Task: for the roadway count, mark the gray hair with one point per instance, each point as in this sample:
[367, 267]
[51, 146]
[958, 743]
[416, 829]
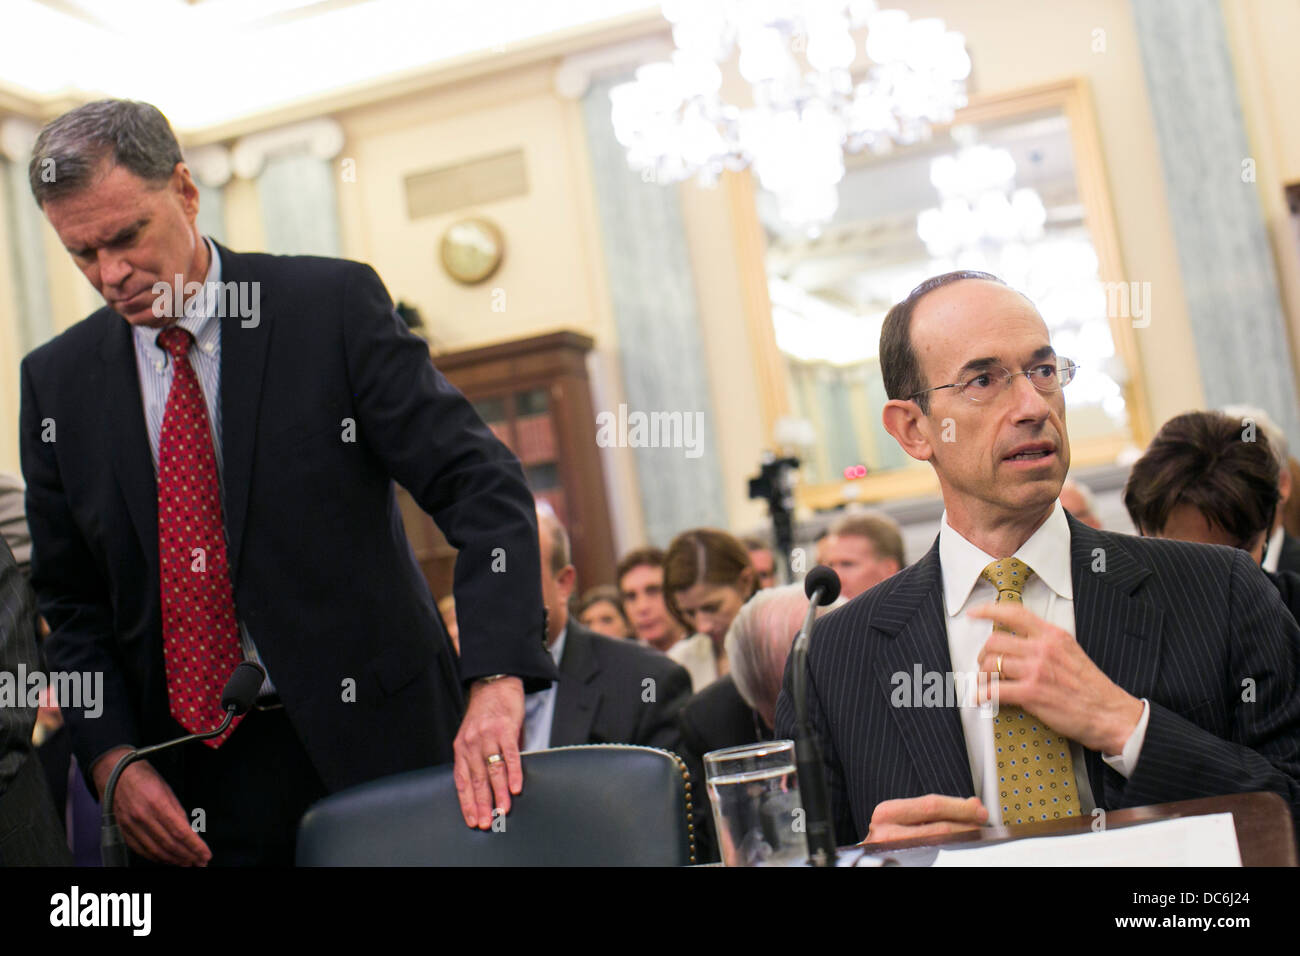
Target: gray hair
[70, 150]
[759, 641]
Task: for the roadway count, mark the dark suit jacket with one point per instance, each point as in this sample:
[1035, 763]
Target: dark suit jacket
[1290, 558]
[30, 831]
[323, 576]
[600, 695]
[712, 719]
[1184, 625]
[1288, 587]
[718, 717]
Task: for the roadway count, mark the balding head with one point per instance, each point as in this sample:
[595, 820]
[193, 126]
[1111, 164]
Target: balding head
[559, 577]
[758, 643]
[998, 445]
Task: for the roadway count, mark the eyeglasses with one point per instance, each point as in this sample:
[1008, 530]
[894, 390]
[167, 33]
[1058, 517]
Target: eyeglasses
[986, 385]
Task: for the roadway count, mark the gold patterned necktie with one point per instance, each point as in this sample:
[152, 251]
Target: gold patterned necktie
[1035, 769]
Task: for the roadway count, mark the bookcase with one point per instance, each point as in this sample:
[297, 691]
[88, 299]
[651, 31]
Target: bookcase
[535, 395]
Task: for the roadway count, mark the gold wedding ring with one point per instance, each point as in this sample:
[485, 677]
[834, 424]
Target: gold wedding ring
[999, 667]
[494, 759]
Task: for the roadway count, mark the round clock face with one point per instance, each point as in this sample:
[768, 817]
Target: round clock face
[472, 250]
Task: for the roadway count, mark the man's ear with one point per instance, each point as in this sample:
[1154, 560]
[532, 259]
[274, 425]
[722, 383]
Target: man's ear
[905, 422]
[566, 580]
[183, 183]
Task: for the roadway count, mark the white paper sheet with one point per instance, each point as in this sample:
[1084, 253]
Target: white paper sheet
[1209, 840]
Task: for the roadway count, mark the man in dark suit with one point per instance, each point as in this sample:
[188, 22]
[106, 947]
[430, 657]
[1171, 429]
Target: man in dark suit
[30, 834]
[210, 478]
[1128, 671]
[610, 691]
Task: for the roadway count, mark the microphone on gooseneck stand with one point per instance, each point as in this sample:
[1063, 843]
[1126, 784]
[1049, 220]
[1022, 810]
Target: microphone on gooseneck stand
[240, 693]
[822, 587]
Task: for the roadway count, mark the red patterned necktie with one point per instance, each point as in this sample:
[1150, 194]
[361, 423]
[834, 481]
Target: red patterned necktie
[200, 633]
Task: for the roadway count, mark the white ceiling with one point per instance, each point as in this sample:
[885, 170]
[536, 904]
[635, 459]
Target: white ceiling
[208, 62]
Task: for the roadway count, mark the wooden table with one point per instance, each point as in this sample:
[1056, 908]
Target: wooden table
[1265, 833]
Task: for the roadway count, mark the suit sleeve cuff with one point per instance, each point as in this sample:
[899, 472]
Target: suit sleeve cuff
[1125, 762]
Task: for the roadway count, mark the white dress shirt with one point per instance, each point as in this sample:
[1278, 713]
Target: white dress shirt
[695, 653]
[1049, 594]
[539, 706]
[1273, 550]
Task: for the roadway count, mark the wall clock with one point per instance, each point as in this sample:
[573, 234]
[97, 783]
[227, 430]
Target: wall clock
[472, 250]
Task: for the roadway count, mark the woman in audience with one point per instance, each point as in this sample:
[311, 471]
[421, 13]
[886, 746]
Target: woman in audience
[707, 579]
[601, 610]
[1200, 480]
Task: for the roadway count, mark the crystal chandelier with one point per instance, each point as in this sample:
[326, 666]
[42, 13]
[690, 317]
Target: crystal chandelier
[808, 106]
[979, 203]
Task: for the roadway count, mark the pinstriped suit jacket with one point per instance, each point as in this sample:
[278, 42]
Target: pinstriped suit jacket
[1198, 630]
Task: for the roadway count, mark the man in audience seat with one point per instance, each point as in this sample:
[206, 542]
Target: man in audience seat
[609, 691]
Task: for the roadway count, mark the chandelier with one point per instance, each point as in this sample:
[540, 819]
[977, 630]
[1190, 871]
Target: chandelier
[809, 105]
[979, 203]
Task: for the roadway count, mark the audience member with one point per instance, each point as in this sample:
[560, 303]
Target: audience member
[1291, 510]
[13, 520]
[601, 610]
[1078, 500]
[863, 549]
[761, 560]
[641, 584]
[30, 833]
[1199, 480]
[823, 541]
[740, 708]
[707, 578]
[1281, 549]
[1119, 657]
[610, 691]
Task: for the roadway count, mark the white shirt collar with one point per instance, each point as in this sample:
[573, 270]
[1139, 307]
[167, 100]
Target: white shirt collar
[1047, 552]
[557, 649]
[1273, 550]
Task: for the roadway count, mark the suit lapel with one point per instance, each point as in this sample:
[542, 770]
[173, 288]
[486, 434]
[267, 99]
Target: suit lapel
[243, 359]
[576, 697]
[914, 641]
[1119, 631]
[123, 422]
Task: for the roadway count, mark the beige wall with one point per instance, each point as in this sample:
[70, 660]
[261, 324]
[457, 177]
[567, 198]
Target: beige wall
[552, 275]
[10, 353]
[1261, 35]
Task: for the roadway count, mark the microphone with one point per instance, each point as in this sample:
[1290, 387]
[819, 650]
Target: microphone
[236, 699]
[822, 585]
[241, 690]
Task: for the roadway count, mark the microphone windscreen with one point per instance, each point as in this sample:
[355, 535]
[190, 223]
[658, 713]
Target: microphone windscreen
[824, 578]
[241, 690]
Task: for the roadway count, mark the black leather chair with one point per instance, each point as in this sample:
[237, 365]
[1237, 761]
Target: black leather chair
[597, 805]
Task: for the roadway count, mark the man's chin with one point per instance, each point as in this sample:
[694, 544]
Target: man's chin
[142, 317]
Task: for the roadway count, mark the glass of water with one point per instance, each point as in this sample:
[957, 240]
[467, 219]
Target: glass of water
[756, 805]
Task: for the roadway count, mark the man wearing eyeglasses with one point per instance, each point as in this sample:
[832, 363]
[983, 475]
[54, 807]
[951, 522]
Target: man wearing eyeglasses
[1115, 665]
